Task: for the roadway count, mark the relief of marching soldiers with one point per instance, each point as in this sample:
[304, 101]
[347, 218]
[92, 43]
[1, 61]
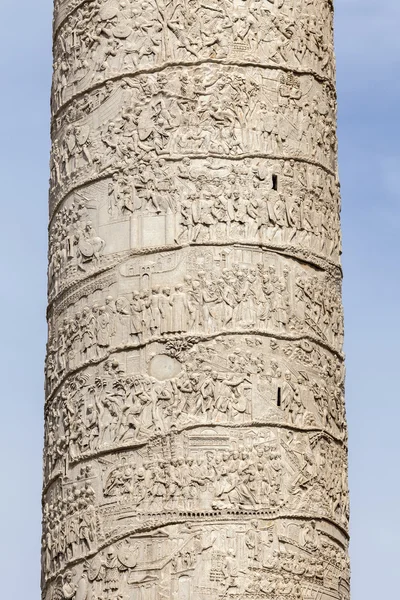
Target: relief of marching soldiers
[70, 525]
[239, 298]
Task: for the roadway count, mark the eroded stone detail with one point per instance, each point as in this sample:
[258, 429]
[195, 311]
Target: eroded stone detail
[195, 428]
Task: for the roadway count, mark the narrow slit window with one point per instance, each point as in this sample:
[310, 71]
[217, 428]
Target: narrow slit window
[279, 398]
[275, 182]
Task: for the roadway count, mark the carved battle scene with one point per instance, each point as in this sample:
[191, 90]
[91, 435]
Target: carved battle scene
[188, 112]
[195, 427]
[103, 39]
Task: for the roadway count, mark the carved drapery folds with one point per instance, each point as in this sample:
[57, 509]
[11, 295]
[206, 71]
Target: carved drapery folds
[195, 430]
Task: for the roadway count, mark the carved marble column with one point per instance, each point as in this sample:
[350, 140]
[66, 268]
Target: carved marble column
[195, 442]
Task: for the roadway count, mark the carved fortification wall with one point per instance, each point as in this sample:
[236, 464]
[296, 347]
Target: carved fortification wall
[195, 442]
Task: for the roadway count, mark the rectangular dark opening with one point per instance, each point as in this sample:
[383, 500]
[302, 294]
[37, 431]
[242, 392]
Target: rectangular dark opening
[275, 182]
[279, 399]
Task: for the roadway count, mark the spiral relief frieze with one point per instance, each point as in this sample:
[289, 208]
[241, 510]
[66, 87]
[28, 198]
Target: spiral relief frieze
[195, 426]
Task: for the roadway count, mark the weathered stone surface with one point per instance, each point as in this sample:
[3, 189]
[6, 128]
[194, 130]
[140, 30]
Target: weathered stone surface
[195, 431]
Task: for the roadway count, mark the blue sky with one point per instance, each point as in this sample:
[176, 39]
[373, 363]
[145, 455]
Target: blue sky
[368, 57]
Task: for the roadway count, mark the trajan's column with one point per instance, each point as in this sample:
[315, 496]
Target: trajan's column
[195, 444]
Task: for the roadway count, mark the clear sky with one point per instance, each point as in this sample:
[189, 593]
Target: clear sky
[368, 60]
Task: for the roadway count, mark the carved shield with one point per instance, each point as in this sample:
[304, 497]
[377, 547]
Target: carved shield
[231, 212]
[263, 171]
[85, 248]
[71, 143]
[269, 123]
[284, 128]
[306, 346]
[82, 590]
[109, 11]
[145, 124]
[122, 31]
[127, 557]
[273, 197]
[323, 108]
[196, 211]
[82, 135]
[94, 568]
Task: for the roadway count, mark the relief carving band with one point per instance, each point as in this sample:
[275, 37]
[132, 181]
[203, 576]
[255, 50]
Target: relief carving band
[195, 426]
[192, 384]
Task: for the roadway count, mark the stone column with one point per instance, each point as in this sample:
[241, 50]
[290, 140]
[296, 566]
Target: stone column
[195, 442]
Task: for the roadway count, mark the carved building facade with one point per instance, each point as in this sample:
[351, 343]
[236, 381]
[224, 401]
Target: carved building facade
[195, 430]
